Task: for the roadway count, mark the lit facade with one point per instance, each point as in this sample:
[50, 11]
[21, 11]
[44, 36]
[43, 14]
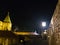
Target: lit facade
[54, 30]
[26, 33]
[7, 37]
[6, 23]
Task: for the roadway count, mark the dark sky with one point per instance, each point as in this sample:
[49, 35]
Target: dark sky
[28, 15]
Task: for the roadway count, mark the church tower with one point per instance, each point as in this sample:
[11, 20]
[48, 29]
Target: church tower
[7, 23]
[7, 19]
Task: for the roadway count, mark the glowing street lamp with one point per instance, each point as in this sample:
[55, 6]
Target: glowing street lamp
[43, 24]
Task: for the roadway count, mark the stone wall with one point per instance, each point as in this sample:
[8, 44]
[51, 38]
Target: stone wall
[55, 26]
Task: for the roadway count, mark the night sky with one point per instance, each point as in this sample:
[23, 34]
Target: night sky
[28, 15]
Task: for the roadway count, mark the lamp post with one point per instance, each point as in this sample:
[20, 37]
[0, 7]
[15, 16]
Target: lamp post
[43, 25]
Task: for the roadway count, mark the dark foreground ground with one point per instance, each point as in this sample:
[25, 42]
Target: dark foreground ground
[34, 40]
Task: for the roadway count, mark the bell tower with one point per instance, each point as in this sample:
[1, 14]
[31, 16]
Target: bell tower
[7, 23]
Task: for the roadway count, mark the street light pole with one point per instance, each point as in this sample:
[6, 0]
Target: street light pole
[43, 25]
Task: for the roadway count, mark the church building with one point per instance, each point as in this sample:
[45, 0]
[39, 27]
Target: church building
[6, 23]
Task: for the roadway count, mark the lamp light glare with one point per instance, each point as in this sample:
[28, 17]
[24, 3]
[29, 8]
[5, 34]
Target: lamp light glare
[43, 24]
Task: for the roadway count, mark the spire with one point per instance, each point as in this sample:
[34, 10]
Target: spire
[7, 19]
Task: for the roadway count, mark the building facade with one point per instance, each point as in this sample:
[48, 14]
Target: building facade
[7, 37]
[6, 23]
[54, 29]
